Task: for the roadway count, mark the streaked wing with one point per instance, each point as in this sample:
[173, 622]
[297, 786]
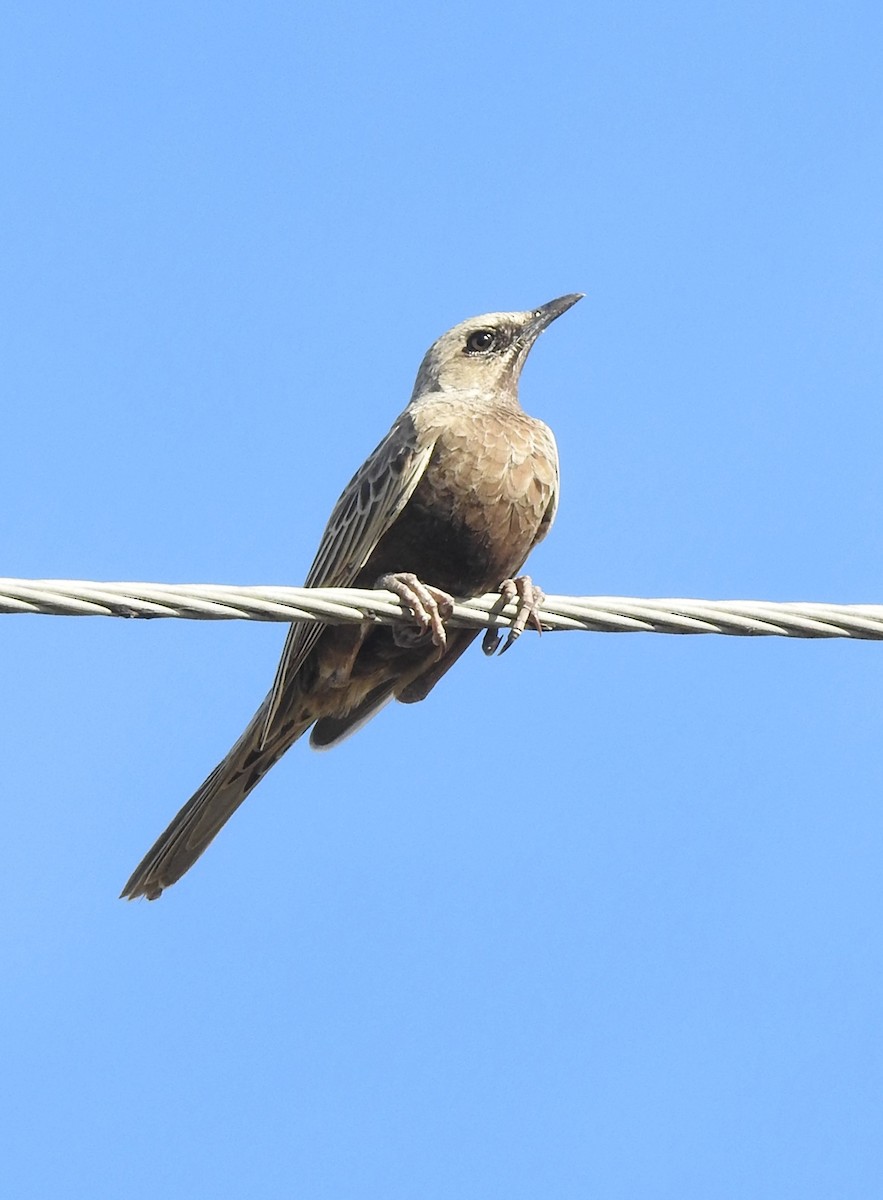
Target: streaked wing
[555, 482]
[370, 503]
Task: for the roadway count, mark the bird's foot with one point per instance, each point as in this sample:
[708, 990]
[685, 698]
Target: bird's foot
[530, 599]
[430, 607]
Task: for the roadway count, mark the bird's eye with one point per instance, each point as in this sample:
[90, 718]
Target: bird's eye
[481, 341]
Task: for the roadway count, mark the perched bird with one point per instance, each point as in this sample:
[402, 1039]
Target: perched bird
[449, 505]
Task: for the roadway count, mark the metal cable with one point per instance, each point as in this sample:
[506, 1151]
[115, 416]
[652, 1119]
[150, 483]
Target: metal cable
[596, 614]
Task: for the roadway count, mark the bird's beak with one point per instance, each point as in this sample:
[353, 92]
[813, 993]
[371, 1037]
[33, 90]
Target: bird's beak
[546, 314]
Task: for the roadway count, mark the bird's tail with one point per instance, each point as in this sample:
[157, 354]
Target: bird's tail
[213, 804]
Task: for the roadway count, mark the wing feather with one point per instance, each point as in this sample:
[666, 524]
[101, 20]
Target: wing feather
[369, 504]
[552, 509]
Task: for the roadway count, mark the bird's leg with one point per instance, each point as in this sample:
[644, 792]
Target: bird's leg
[430, 606]
[530, 599]
[347, 641]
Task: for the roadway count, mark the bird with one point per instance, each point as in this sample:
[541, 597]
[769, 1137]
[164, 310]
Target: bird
[448, 506]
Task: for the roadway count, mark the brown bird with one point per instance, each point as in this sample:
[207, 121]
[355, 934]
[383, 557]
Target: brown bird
[450, 504]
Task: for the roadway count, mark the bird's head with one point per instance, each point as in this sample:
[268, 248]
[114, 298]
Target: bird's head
[485, 354]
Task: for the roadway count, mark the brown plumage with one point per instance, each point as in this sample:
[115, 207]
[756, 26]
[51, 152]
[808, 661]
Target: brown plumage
[450, 504]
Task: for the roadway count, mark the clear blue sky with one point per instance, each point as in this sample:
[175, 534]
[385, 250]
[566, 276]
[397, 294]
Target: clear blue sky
[601, 918]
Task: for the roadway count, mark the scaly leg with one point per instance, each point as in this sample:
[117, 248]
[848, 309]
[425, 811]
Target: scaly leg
[530, 599]
[430, 605]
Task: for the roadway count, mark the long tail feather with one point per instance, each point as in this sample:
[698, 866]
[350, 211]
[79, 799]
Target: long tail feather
[212, 805]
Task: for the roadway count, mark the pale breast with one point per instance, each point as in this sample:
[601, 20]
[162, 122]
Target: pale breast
[487, 496]
[495, 474]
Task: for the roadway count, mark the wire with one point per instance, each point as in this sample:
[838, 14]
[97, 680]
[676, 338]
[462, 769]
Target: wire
[596, 614]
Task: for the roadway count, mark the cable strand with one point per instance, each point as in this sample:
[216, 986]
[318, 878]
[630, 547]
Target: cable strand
[595, 614]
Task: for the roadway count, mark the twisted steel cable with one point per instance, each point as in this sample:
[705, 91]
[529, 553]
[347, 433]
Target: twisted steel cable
[595, 614]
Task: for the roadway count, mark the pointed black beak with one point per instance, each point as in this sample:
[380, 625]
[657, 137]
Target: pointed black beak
[547, 313]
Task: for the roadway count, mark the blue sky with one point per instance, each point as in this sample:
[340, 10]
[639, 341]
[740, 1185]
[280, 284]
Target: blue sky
[601, 918]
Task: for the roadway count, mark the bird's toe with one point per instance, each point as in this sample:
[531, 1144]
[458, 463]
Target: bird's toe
[528, 599]
[429, 605]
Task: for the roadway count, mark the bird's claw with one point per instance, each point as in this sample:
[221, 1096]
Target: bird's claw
[430, 607]
[529, 599]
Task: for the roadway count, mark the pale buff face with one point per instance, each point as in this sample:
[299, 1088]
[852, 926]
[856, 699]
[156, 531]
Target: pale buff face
[485, 354]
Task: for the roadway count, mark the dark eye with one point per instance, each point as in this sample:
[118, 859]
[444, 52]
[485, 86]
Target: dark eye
[481, 341]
